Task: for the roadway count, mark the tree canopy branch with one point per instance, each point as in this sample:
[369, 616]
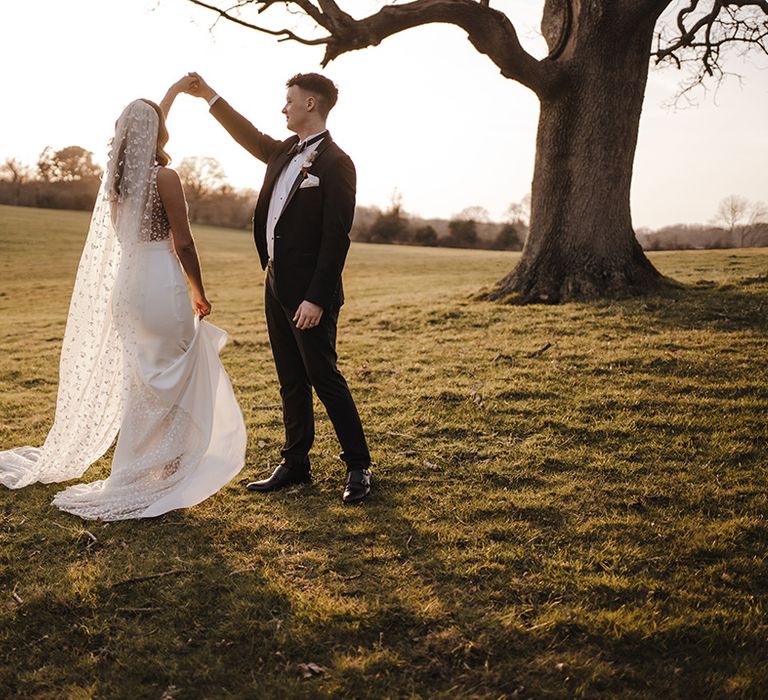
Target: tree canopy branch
[283, 34]
[490, 31]
[705, 28]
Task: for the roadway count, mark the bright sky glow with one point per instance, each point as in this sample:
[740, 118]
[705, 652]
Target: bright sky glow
[423, 112]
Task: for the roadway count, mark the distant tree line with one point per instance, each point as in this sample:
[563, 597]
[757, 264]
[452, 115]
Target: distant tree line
[63, 179]
[470, 228]
[69, 179]
[738, 223]
[701, 237]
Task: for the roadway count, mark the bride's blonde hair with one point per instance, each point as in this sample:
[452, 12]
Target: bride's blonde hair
[161, 157]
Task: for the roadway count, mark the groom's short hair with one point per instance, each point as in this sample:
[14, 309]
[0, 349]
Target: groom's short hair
[324, 89]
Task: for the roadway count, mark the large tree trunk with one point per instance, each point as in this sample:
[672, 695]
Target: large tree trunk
[581, 243]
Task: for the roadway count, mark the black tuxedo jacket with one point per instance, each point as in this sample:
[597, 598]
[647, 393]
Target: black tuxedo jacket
[312, 234]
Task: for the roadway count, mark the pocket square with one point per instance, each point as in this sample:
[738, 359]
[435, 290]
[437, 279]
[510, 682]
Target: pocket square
[310, 181]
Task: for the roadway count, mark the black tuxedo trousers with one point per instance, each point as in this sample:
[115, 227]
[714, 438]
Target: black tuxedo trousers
[307, 359]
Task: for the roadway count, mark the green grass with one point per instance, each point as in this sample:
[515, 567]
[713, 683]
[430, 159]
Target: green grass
[589, 520]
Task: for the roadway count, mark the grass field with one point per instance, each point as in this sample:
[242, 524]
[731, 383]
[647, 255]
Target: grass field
[587, 519]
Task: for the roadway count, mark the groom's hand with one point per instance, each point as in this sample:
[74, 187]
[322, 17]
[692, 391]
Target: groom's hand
[307, 315]
[198, 87]
[185, 84]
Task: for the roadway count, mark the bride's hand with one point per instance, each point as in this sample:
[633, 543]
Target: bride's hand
[186, 84]
[198, 87]
[201, 305]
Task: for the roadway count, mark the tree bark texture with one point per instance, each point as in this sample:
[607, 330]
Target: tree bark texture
[581, 243]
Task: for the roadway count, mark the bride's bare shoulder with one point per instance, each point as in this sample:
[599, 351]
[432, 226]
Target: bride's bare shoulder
[168, 182]
[167, 175]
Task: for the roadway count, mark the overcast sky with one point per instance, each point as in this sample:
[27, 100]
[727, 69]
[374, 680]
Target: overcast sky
[423, 112]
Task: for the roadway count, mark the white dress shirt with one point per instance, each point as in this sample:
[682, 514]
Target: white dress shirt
[283, 186]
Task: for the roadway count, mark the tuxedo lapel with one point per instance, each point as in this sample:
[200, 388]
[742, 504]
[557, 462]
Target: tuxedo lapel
[273, 172]
[292, 191]
[323, 145]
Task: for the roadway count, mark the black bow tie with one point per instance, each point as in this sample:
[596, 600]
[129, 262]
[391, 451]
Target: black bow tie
[301, 145]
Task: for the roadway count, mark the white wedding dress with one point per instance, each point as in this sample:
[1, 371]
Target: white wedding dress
[135, 360]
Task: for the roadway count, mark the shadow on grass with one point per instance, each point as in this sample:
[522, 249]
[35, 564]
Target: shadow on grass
[502, 624]
[471, 581]
[741, 305]
[142, 608]
[398, 596]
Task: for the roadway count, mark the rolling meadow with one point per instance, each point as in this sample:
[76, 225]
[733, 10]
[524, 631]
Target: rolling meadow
[569, 501]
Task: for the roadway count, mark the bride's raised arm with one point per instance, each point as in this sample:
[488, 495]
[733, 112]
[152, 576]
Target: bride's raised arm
[182, 85]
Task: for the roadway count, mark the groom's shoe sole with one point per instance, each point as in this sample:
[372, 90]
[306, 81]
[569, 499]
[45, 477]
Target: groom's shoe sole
[281, 477]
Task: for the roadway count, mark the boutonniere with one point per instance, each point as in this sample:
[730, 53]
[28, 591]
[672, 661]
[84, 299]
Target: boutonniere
[308, 163]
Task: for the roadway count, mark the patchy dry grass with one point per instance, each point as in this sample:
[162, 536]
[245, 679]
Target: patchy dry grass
[587, 519]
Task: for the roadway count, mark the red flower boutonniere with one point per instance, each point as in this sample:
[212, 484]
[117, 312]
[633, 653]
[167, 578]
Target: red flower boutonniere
[308, 163]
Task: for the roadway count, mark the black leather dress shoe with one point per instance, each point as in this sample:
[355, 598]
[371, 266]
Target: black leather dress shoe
[358, 485]
[283, 475]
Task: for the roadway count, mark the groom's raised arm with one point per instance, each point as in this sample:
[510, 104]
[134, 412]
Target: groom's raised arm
[245, 133]
[239, 128]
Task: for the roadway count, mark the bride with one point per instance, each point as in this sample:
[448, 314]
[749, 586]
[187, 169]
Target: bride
[137, 358]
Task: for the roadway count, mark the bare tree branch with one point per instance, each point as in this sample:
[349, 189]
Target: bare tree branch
[490, 32]
[687, 35]
[706, 29]
[283, 34]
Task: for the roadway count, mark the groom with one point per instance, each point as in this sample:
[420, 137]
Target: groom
[301, 227]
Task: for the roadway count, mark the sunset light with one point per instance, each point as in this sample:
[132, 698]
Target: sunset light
[423, 114]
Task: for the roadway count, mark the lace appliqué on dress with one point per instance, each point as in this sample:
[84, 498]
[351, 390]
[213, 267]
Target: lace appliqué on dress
[159, 446]
[155, 225]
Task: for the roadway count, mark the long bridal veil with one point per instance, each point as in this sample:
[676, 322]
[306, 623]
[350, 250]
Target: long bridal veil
[125, 366]
[91, 397]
